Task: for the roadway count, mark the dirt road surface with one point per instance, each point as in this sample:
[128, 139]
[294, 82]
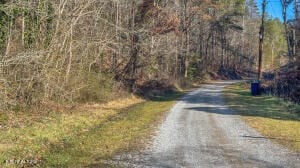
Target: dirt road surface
[201, 131]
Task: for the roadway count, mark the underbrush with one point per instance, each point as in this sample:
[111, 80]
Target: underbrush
[99, 88]
[34, 94]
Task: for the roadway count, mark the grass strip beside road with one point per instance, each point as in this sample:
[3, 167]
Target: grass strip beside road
[273, 117]
[85, 138]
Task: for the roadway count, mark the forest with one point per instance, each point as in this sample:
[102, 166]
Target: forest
[70, 51]
[83, 82]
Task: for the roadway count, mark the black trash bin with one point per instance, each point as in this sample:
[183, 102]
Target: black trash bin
[255, 90]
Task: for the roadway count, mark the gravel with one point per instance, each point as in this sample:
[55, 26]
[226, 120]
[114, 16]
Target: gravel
[201, 131]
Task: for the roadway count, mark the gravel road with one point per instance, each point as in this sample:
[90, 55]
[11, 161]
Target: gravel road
[200, 131]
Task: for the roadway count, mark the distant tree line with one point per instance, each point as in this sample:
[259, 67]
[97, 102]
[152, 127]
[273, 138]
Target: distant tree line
[66, 51]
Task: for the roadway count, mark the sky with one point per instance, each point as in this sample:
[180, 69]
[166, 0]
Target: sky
[274, 9]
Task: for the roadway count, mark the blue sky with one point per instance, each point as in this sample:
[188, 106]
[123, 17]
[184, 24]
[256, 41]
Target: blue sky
[274, 9]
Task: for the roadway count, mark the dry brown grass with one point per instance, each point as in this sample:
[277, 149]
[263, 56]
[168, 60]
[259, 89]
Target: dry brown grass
[86, 135]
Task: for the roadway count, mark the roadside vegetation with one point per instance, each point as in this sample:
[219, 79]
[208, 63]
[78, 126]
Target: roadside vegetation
[273, 117]
[84, 137]
[71, 51]
[67, 68]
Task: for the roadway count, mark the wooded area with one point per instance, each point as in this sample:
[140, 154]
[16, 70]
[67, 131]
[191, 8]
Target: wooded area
[66, 51]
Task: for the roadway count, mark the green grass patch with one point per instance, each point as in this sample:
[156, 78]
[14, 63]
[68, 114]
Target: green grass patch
[85, 137]
[272, 117]
[3, 118]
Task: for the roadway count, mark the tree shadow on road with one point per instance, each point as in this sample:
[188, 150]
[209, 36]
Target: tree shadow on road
[240, 102]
